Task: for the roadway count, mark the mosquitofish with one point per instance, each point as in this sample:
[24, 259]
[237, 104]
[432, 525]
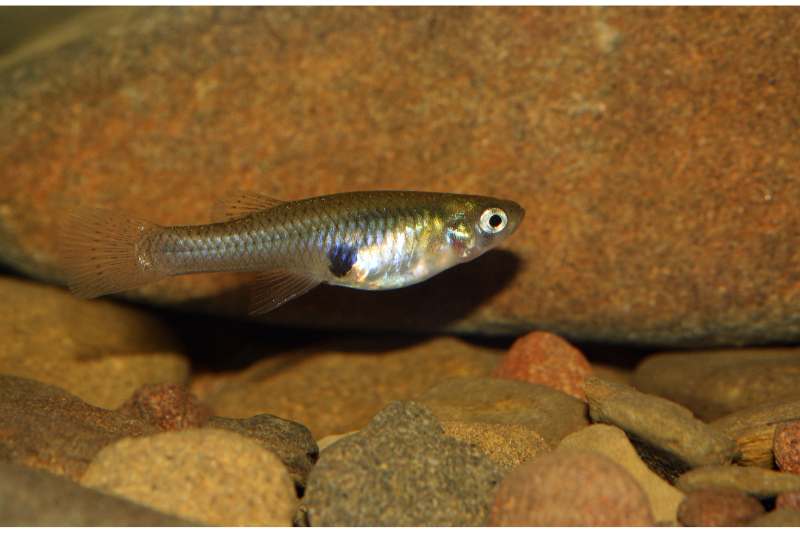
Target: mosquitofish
[371, 240]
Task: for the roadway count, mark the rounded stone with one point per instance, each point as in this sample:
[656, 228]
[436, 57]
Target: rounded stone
[547, 359]
[788, 500]
[718, 507]
[786, 447]
[570, 488]
[210, 476]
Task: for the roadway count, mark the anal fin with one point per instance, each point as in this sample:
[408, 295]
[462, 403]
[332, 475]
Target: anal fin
[242, 204]
[275, 288]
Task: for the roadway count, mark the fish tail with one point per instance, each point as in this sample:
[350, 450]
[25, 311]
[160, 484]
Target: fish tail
[100, 250]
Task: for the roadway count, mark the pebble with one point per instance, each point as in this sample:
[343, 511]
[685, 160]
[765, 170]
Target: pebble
[35, 498]
[658, 422]
[508, 445]
[400, 470]
[714, 383]
[778, 518]
[210, 476]
[100, 351]
[788, 500]
[352, 378]
[570, 488]
[718, 507]
[550, 413]
[547, 359]
[614, 444]
[787, 447]
[754, 430]
[169, 407]
[758, 482]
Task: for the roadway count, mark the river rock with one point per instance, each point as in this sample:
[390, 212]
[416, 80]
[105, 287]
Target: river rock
[34, 498]
[547, 359]
[98, 350]
[715, 383]
[338, 387]
[789, 500]
[718, 507]
[778, 518]
[45, 427]
[754, 430]
[169, 407]
[633, 182]
[758, 482]
[570, 488]
[614, 444]
[508, 445]
[210, 476]
[400, 470]
[659, 422]
[787, 447]
[548, 412]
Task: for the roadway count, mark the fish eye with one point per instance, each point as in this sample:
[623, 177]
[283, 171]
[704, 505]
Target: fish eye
[493, 220]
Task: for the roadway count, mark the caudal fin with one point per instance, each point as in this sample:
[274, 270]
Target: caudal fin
[99, 252]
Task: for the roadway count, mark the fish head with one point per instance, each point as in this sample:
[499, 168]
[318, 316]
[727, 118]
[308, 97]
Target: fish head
[477, 224]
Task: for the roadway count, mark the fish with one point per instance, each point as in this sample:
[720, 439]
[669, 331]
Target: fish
[370, 240]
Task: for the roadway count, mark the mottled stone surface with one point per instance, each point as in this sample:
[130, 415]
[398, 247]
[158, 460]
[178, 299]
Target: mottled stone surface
[758, 482]
[547, 359]
[338, 386]
[548, 412]
[570, 488]
[754, 430]
[35, 498]
[786, 447]
[715, 383]
[661, 423]
[655, 152]
[401, 470]
[508, 445]
[718, 507]
[778, 518]
[788, 500]
[209, 476]
[614, 444]
[169, 407]
[100, 351]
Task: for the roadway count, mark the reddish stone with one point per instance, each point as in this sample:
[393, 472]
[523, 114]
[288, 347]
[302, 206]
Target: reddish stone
[789, 500]
[718, 507]
[546, 359]
[786, 447]
[169, 407]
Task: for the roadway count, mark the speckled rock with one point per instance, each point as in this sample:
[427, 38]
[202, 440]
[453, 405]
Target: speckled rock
[35, 498]
[718, 507]
[715, 383]
[547, 359]
[98, 350]
[290, 441]
[778, 518]
[169, 407]
[351, 379]
[788, 500]
[324, 442]
[659, 422]
[650, 194]
[400, 470]
[508, 445]
[548, 412]
[787, 447]
[45, 427]
[570, 488]
[210, 476]
[754, 430]
[758, 482]
[612, 442]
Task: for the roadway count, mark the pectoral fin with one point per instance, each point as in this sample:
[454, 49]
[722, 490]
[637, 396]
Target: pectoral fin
[275, 288]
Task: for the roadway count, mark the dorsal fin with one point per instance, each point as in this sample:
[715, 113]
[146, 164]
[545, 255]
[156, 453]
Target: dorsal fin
[241, 204]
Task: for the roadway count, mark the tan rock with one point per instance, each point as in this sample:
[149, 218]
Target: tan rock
[337, 387]
[648, 173]
[614, 444]
[98, 350]
[758, 482]
[508, 445]
[205, 475]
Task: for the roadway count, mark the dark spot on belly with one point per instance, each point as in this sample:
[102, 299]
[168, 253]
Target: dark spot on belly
[342, 258]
